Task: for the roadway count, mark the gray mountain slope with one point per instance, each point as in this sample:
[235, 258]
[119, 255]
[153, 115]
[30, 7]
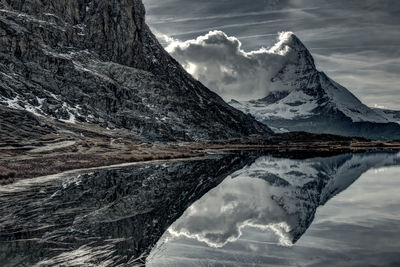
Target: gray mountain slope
[96, 61]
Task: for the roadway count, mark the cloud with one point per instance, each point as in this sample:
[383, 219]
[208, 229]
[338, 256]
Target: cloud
[221, 64]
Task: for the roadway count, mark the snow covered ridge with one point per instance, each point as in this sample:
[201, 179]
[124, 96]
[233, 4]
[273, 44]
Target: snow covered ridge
[304, 102]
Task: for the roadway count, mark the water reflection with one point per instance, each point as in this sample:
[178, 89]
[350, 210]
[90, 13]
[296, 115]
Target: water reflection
[112, 217]
[275, 196]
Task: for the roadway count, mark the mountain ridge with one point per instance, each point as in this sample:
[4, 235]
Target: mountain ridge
[97, 62]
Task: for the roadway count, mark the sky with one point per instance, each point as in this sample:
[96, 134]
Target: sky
[356, 42]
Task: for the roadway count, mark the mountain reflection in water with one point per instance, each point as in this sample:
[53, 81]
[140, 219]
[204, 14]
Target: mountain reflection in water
[114, 217]
[273, 200]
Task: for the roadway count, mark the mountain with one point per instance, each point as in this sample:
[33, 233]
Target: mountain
[97, 62]
[305, 99]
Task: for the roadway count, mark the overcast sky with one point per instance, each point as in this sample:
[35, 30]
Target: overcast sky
[356, 42]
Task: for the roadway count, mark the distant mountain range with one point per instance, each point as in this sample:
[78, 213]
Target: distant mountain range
[97, 62]
[305, 99]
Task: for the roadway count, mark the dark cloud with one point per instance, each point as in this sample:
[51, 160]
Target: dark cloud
[334, 31]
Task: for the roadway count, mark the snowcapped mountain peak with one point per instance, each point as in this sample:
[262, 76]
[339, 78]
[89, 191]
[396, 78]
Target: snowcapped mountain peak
[298, 66]
[301, 98]
[289, 45]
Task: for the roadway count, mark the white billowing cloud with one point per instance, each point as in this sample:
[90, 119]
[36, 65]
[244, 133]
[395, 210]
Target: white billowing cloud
[222, 65]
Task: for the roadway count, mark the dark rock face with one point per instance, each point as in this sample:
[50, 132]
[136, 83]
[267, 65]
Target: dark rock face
[113, 217]
[18, 126]
[98, 62]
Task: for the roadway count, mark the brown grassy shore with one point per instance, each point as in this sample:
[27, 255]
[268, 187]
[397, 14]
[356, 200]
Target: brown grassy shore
[60, 156]
[32, 147]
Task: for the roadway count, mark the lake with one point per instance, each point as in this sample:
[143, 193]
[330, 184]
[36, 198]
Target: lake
[239, 209]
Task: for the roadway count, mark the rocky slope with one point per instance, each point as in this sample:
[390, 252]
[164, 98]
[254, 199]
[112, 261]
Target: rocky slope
[96, 61]
[305, 99]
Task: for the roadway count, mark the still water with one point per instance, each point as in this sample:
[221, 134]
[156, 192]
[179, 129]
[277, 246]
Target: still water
[222, 210]
[263, 215]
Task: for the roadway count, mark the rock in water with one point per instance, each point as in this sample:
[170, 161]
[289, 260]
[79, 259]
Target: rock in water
[97, 61]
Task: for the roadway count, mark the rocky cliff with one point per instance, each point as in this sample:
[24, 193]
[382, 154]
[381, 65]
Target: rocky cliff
[93, 61]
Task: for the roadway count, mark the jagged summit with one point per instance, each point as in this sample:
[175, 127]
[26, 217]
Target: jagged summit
[303, 98]
[297, 63]
[290, 45]
[97, 62]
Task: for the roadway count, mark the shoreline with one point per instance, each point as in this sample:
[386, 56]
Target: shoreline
[30, 165]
